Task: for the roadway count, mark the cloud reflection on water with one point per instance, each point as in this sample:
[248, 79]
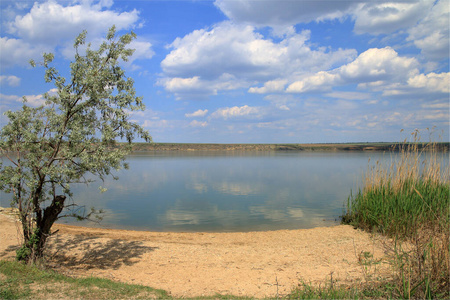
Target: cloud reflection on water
[228, 192]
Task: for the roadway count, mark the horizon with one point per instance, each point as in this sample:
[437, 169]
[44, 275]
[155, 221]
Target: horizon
[252, 72]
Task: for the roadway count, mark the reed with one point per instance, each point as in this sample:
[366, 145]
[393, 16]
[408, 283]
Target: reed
[408, 200]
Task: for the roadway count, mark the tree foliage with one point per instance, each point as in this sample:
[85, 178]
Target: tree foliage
[71, 137]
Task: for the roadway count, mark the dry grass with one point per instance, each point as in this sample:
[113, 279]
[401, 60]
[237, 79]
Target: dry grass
[408, 200]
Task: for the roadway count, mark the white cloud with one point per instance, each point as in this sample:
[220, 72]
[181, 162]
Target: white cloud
[156, 124]
[373, 17]
[431, 34]
[31, 100]
[379, 64]
[375, 68]
[9, 98]
[10, 80]
[235, 112]
[270, 87]
[320, 81]
[376, 17]
[196, 123]
[349, 95]
[50, 24]
[16, 51]
[231, 56]
[195, 88]
[182, 84]
[432, 82]
[437, 115]
[437, 105]
[426, 21]
[282, 13]
[197, 113]
[143, 49]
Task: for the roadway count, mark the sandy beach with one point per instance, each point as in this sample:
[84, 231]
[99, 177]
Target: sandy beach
[256, 264]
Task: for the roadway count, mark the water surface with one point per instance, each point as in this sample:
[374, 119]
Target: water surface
[226, 191]
[213, 191]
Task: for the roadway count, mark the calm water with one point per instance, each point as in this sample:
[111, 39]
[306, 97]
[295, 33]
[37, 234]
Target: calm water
[228, 191]
[213, 191]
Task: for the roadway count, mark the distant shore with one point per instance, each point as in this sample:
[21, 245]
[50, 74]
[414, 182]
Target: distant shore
[273, 147]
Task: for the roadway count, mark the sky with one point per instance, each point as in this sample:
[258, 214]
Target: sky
[240, 71]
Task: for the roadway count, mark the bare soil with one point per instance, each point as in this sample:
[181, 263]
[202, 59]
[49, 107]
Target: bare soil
[255, 264]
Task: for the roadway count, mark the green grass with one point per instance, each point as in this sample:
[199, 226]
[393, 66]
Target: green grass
[400, 212]
[20, 281]
[306, 291]
[408, 200]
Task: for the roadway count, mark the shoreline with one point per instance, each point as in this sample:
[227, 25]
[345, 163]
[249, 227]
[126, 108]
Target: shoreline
[141, 147]
[257, 264]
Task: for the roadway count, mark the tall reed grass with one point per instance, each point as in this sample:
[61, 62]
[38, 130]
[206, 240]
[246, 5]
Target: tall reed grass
[407, 199]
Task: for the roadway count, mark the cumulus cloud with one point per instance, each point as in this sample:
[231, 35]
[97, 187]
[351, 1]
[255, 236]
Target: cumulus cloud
[197, 113]
[432, 82]
[376, 17]
[372, 68]
[10, 80]
[16, 51]
[50, 24]
[236, 111]
[425, 20]
[195, 88]
[231, 56]
[270, 87]
[379, 64]
[142, 49]
[236, 49]
[320, 81]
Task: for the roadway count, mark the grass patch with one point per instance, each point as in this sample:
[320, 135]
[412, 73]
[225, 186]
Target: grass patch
[408, 200]
[20, 281]
[307, 291]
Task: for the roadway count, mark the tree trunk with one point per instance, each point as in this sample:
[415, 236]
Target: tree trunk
[33, 248]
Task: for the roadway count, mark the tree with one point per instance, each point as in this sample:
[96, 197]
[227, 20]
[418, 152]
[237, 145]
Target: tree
[74, 134]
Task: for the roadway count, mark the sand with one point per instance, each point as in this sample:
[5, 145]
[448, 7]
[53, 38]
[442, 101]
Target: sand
[255, 264]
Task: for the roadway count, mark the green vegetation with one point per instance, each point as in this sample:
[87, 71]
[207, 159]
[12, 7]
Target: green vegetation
[21, 281]
[306, 291]
[408, 201]
[74, 133]
[275, 147]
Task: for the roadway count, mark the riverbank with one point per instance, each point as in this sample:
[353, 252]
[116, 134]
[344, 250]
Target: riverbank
[273, 147]
[255, 264]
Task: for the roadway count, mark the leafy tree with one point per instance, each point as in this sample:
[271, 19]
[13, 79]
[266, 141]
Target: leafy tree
[70, 138]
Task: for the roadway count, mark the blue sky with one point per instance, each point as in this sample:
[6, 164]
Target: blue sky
[253, 71]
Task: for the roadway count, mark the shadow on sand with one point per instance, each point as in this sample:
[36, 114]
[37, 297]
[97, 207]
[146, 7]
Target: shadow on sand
[87, 252]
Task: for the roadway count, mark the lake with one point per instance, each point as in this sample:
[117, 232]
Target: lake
[226, 191]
